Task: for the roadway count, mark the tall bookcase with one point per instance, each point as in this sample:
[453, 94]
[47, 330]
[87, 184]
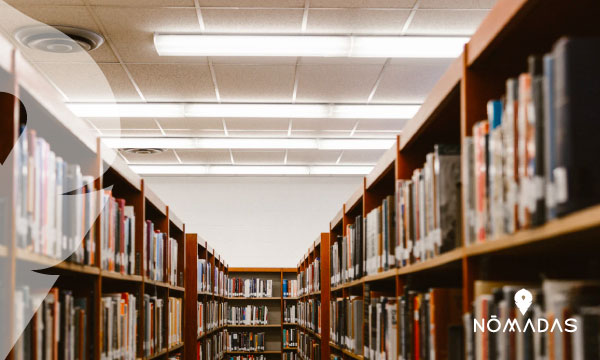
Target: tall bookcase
[48, 116]
[319, 336]
[564, 247]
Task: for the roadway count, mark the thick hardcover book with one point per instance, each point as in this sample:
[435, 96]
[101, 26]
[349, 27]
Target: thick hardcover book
[577, 90]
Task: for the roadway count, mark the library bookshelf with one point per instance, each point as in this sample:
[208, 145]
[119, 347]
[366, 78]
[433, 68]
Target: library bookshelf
[314, 299]
[90, 280]
[563, 248]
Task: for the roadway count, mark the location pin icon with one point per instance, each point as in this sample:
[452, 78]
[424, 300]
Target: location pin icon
[523, 299]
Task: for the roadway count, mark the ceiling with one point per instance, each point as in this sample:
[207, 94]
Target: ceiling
[136, 73]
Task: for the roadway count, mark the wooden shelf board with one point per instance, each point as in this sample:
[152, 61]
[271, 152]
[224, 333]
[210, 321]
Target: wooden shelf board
[176, 347]
[381, 275]
[355, 199]
[311, 332]
[49, 263]
[111, 159]
[383, 166]
[156, 354]
[175, 219]
[211, 332]
[291, 298]
[155, 283]
[177, 288]
[337, 219]
[154, 200]
[345, 351]
[571, 224]
[290, 348]
[290, 324]
[118, 276]
[350, 284]
[437, 261]
[433, 104]
[255, 269]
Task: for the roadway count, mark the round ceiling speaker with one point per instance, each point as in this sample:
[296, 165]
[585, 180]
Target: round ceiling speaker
[43, 38]
[143, 151]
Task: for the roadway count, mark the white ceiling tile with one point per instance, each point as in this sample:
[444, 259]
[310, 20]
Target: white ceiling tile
[120, 83]
[124, 123]
[340, 61]
[202, 156]
[174, 82]
[336, 83]
[356, 21]
[131, 132]
[45, 2]
[323, 124]
[456, 4]
[407, 4]
[253, 60]
[267, 157]
[144, 3]
[76, 16]
[446, 22]
[191, 123]
[376, 134]
[304, 157]
[166, 157]
[252, 20]
[381, 124]
[132, 31]
[320, 133]
[81, 81]
[409, 80]
[360, 157]
[257, 124]
[255, 83]
[258, 133]
[194, 132]
[253, 3]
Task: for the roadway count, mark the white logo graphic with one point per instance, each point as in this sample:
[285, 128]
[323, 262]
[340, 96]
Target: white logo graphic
[523, 299]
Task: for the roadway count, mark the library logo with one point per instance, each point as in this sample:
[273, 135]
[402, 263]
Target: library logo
[523, 300]
[510, 321]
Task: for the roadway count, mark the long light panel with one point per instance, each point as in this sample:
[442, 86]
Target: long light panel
[309, 45]
[210, 110]
[250, 170]
[247, 143]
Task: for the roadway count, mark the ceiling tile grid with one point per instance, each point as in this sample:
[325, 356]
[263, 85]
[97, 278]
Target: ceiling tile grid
[136, 73]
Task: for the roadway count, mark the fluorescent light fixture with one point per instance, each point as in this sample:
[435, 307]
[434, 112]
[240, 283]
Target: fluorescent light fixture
[250, 170]
[247, 143]
[206, 110]
[309, 45]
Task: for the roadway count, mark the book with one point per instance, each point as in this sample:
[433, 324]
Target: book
[247, 315]
[249, 288]
[119, 326]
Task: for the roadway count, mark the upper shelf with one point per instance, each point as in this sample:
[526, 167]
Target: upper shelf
[384, 165]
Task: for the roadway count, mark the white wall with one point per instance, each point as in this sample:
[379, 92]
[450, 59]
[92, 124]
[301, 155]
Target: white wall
[256, 221]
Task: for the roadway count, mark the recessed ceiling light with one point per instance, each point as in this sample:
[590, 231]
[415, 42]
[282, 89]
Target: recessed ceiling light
[248, 143]
[59, 39]
[309, 45]
[207, 110]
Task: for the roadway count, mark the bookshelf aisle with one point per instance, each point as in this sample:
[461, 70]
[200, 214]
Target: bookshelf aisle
[406, 244]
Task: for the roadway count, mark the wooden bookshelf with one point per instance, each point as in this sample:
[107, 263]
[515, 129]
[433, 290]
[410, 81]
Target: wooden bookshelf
[71, 138]
[561, 248]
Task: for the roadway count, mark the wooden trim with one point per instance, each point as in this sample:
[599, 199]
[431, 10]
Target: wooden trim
[153, 199]
[355, 199]
[337, 219]
[383, 166]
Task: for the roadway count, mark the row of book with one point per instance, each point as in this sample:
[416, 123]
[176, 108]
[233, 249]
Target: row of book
[211, 315]
[58, 328]
[213, 347]
[561, 320]
[211, 279]
[428, 208]
[248, 357]
[154, 250]
[245, 341]
[346, 257]
[154, 321]
[247, 315]
[249, 288]
[309, 278]
[289, 355]
[309, 348]
[345, 323]
[118, 333]
[175, 321]
[309, 314]
[290, 338]
[47, 221]
[118, 235]
[530, 162]
[290, 313]
[290, 288]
